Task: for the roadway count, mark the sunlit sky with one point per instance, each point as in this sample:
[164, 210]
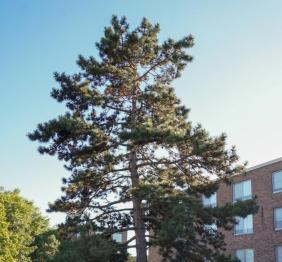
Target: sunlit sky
[234, 84]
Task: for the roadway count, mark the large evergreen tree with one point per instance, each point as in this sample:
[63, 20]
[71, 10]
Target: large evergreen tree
[131, 150]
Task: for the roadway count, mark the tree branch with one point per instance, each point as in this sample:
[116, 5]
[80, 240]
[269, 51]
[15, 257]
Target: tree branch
[112, 211]
[111, 203]
[130, 240]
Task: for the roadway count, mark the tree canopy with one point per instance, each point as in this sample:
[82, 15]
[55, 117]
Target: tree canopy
[132, 151]
[20, 224]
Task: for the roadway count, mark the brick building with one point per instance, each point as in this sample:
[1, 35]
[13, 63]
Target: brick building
[257, 237]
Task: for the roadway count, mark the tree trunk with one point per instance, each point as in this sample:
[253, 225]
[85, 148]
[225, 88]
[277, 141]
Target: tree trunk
[138, 219]
[141, 245]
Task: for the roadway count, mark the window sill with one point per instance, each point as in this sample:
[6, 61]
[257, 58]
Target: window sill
[243, 199]
[243, 234]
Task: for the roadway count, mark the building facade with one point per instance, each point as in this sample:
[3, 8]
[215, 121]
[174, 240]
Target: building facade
[256, 238]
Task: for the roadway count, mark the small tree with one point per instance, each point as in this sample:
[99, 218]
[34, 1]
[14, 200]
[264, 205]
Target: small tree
[127, 141]
[20, 224]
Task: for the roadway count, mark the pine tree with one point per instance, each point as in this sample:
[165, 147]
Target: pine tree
[130, 148]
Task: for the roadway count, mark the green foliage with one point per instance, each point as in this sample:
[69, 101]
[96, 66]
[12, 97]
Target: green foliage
[20, 223]
[90, 248]
[130, 148]
[47, 246]
[131, 259]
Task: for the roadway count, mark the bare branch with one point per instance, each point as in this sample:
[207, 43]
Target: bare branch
[117, 109]
[112, 211]
[125, 229]
[130, 240]
[111, 203]
[131, 246]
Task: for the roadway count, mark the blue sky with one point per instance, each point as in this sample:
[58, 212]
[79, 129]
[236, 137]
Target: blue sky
[234, 84]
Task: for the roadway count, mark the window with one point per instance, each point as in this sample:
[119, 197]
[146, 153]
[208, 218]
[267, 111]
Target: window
[244, 225]
[245, 255]
[277, 181]
[278, 218]
[209, 201]
[210, 229]
[117, 237]
[278, 254]
[242, 190]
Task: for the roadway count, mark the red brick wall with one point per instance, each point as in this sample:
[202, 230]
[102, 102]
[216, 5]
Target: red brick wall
[124, 237]
[264, 237]
[154, 255]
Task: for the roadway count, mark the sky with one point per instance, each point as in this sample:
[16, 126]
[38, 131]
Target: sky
[233, 86]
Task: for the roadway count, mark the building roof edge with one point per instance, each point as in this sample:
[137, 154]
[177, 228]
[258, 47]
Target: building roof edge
[264, 164]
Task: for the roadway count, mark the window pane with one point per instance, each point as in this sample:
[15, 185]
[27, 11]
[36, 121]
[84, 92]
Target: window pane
[249, 255]
[278, 224]
[277, 181]
[240, 255]
[278, 213]
[239, 227]
[245, 255]
[279, 254]
[209, 201]
[278, 218]
[242, 190]
[245, 225]
[206, 201]
[247, 189]
[211, 229]
[248, 224]
[213, 200]
[117, 237]
[238, 191]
